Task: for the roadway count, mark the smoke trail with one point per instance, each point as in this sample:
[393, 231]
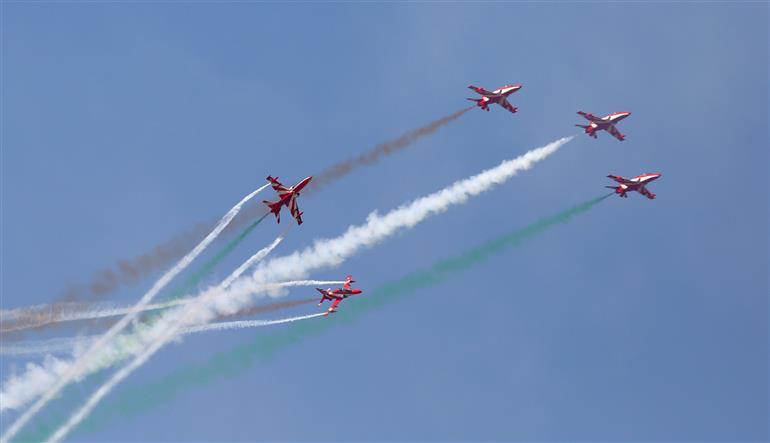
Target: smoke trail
[82, 362]
[243, 324]
[322, 254]
[342, 169]
[207, 267]
[130, 271]
[240, 358]
[69, 344]
[161, 332]
[17, 391]
[37, 317]
[93, 312]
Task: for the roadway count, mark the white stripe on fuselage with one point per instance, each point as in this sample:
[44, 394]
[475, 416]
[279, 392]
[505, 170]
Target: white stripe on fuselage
[642, 178]
[613, 117]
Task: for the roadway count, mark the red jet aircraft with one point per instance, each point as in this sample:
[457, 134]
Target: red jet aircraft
[337, 295]
[499, 96]
[607, 123]
[637, 184]
[287, 197]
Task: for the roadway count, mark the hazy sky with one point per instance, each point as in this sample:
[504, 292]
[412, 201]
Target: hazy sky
[126, 123]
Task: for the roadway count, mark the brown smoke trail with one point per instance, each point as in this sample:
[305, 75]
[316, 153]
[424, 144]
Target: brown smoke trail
[129, 272]
[254, 310]
[334, 173]
[37, 318]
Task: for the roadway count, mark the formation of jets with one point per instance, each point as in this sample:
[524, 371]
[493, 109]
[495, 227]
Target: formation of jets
[287, 196]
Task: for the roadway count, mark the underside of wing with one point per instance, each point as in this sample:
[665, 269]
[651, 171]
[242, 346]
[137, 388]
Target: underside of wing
[621, 180]
[481, 91]
[507, 105]
[643, 190]
[589, 116]
[615, 133]
[333, 307]
[294, 209]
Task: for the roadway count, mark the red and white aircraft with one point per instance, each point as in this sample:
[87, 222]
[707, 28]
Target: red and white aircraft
[607, 123]
[286, 197]
[337, 295]
[638, 184]
[499, 96]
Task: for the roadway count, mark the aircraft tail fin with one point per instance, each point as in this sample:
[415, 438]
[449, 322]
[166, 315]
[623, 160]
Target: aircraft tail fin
[275, 208]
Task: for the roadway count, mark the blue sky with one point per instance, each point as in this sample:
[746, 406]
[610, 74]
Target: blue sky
[124, 124]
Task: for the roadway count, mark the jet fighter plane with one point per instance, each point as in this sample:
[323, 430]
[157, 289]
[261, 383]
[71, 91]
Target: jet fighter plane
[607, 123]
[499, 96]
[638, 184]
[337, 295]
[286, 197]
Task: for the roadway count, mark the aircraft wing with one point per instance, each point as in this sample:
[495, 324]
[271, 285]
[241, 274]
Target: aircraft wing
[507, 105]
[589, 116]
[615, 133]
[481, 91]
[294, 209]
[333, 307]
[278, 186]
[621, 180]
[643, 190]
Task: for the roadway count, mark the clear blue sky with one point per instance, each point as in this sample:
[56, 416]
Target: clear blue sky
[126, 123]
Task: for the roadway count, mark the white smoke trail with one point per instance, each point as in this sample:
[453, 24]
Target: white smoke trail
[91, 312]
[76, 370]
[329, 252]
[113, 312]
[163, 331]
[128, 346]
[243, 324]
[50, 346]
[38, 379]
[20, 390]
[68, 344]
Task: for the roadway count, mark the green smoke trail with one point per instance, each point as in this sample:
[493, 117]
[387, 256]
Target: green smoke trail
[240, 358]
